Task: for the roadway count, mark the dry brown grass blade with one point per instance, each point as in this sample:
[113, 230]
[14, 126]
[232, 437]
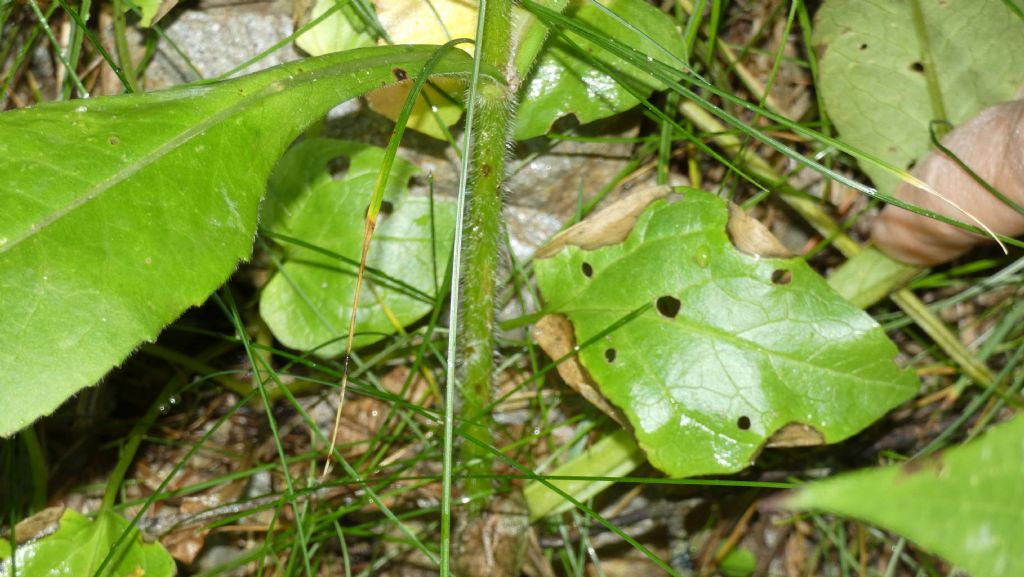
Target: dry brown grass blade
[371, 223]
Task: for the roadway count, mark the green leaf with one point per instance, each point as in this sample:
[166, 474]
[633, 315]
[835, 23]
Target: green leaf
[739, 562]
[566, 81]
[964, 504]
[307, 304]
[873, 84]
[615, 455]
[79, 546]
[870, 276]
[734, 348]
[122, 212]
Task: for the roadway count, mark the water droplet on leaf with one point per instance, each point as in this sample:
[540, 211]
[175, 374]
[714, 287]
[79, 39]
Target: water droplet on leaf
[703, 257]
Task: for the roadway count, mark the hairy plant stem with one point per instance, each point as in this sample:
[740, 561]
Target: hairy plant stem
[493, 110]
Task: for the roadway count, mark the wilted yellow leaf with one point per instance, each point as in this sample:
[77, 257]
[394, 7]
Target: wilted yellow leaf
[388, 101]
[425, 22]
[428, 21]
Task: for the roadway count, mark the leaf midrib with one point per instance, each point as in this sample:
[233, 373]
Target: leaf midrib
[272, 87]
[147, 160]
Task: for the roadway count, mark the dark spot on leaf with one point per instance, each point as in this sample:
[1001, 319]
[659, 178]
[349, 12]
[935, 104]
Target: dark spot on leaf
[668, 306]
[400, 74]
[113, 140]
[911, 164]
[917, 67]
[486, 169]
[864, 46]
[339, 166]
[743, 423]
[588, 271]
[781, 276]
[609, 355]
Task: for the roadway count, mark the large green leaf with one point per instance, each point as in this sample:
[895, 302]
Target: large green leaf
[119, 213]
[307, 304]
[734, 348]
[872, 77]
[566, 81]
[966, 504]
[78, 547]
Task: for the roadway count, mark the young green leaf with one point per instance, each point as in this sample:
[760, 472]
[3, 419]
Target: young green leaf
[307, 304]
[874, 81]
[79, 545]
[966, 504]
[734, 348]
[564, 81]
[122, 212]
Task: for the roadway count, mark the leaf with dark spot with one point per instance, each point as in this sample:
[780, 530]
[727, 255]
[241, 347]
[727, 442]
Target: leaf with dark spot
[735, 348]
